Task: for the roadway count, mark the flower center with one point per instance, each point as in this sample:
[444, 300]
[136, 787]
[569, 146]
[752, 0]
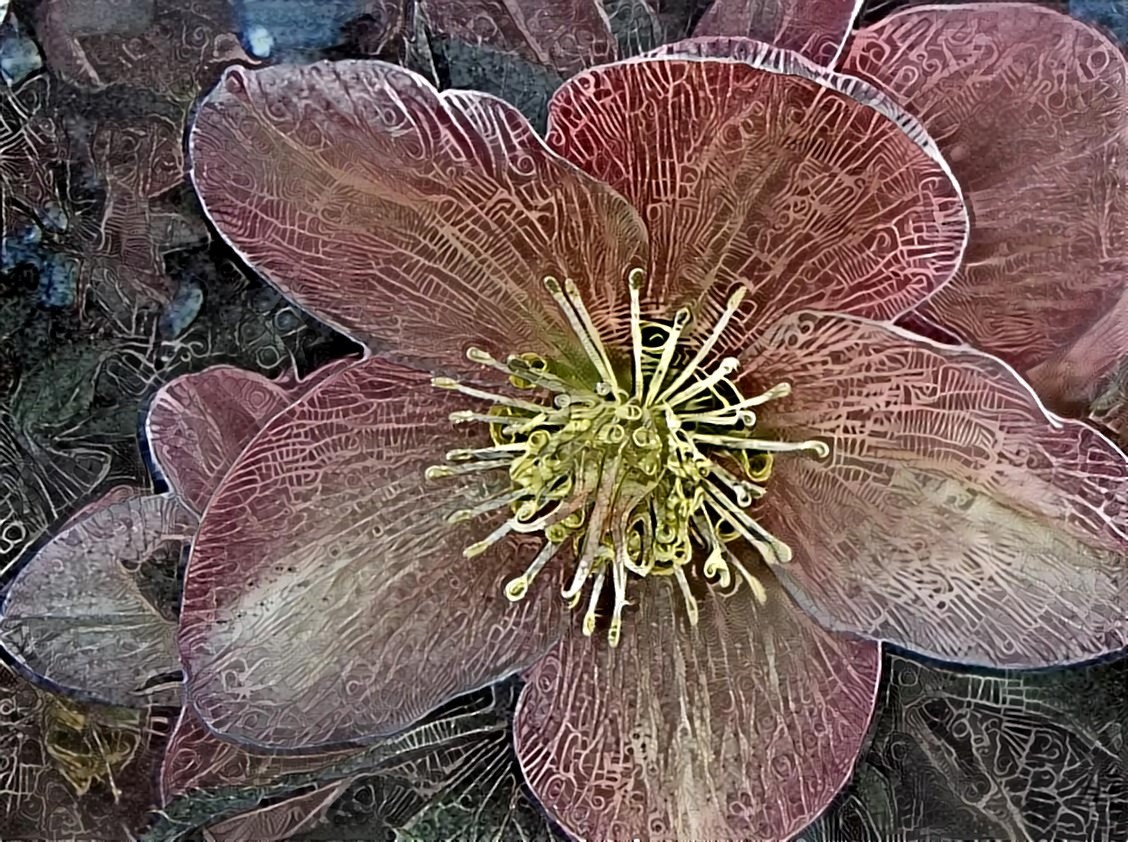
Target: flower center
[641, 481]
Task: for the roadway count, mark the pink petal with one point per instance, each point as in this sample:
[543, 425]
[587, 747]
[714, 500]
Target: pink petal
[76, 614]
[743, 728]
[953, 517]
[1031, 109]
[327, 598]
[566, 35]
[418, 223]
[199, 423]
[816, 29]
[745, 173]
[196, 759]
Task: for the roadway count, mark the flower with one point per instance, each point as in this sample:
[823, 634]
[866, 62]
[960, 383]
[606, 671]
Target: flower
[647, 365]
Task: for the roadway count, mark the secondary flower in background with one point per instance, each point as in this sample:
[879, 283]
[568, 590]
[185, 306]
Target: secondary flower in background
[611, 317]
[1030, 110]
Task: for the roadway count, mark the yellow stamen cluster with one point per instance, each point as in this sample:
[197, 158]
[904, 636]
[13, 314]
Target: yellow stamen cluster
[633, 477]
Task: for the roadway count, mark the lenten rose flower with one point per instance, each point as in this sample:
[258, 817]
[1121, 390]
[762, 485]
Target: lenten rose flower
[644, 369]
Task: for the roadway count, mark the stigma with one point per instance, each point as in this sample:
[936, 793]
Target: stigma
[646, 472]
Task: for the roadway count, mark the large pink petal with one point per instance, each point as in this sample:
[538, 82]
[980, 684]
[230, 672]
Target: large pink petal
[747, 172]
[954, 516]
[1031, 109]
[199, 423]
[566, 35]
[743, 728]
[77, 615]
[816, 29]
[327, 599]
[419, 223]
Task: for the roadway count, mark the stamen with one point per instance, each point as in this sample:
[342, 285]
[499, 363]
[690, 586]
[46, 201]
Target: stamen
[523, 369]
[504, 400]
[634, 283]
[746, 492]
[681, 319]
[593, 601]
[479, 547]
[722, 417]
[515, 589]
[490, 504]
[578, 303]
[820, 448]
[590, 342]
[730, 310]
[619, 576]
[478, 454]
[447, 471]
[767, 545]
[604, 500]
[754, 584]
[690, 599]
[727, 366]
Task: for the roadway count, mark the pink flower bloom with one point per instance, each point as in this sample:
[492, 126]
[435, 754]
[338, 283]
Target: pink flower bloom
[667, 387]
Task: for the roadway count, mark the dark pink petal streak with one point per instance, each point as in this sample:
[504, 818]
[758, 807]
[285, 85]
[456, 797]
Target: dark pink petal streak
[816, 29]
[743, 728]
[1030, 107]
[745, 174]
[953, 517]
[418, 223]
[327, 598]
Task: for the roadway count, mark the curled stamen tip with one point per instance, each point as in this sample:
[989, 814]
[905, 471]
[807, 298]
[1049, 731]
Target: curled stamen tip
[730, 364]
[589, 624]
[516, 589]
[635, 277]
[552, 285]
[461, 516]
[780, 390]
[477, 355]
[782, 551]
[438, 472]
[444, 382]
[737, 297]
[820, 448]
[682, 317]
[461, 416]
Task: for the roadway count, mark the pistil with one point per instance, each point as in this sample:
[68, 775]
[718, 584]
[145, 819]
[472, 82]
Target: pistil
[632, 482]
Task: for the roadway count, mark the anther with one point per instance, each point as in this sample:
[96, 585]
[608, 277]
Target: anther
[516, 588]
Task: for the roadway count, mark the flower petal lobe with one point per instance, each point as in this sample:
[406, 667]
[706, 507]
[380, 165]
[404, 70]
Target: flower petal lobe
[742, 728]
[419, 224]
[750, 174]
[1030, 107]
[816, 29]
[954, 516]
[327, 598]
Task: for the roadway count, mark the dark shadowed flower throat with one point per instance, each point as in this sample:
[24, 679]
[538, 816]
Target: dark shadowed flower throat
[642, 479]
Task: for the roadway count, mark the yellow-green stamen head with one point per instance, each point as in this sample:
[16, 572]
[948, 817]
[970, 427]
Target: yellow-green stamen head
[641, 481]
